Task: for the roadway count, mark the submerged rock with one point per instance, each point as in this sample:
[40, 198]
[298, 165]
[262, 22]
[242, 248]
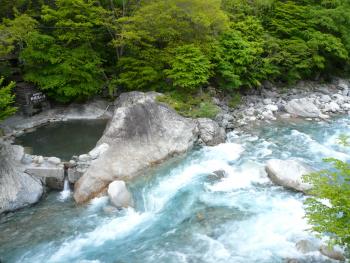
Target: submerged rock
[141, 133]
[288, 173]
[17, 189]
[210, 132]
[303, 107]
[119, 194]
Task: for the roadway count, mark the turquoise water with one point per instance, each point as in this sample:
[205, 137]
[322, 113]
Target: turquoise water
[182, 212]
[63, 139]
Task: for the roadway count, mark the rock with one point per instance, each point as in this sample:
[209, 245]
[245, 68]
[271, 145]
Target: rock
[98, 150]
[210, 132]
[332, 253]
[292, 260]
[52, 177]
[267, 101]
[306, 246]
[272, 107]
[27, 159]
[332, 106]
[119, 194]
[250, 111]
[342, 84]
[17, 189]
[141, 133]
[39, 159]
[285, 116]
[54, 160]
[84, 158]
[325, 98]
[288, 173]
[346, 106]
[217, 175]
[302, 107]
[268, 115]
[74, 174]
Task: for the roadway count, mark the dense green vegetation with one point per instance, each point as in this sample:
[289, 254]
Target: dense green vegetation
[72, 49]
[327, 208]
[6, 100]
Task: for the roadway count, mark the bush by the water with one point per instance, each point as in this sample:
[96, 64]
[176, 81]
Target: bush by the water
[195, 106]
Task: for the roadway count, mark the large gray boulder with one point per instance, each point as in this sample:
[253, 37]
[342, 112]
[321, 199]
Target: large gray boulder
[303, 107]
[210, 133]
[141, 133]
[288, 173]
[17, 189]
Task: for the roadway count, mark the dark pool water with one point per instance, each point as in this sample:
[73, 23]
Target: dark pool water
[63, 139]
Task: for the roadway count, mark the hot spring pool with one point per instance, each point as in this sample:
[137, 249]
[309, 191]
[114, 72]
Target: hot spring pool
[63, 139]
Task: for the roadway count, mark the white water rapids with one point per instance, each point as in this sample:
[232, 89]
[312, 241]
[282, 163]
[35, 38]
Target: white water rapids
[184, 213]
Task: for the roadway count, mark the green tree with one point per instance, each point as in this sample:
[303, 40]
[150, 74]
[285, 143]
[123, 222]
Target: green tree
[14, 33]
[65, 61]
[159, 27]
[327, 209]
[6, 99]
[240, 57]
[189, 69]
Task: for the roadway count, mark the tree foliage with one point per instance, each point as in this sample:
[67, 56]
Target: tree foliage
[327, 209]
[72, 48]
[6, 100]
[65, 62]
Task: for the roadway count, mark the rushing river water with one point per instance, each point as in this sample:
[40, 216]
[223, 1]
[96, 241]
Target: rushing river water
[182, 212]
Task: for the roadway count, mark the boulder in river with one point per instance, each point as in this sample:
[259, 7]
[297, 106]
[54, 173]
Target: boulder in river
[210, 132]
[332, 253]
[288, 173]
[17, 189]
[141, 133]
[303, 107]
[119, 194]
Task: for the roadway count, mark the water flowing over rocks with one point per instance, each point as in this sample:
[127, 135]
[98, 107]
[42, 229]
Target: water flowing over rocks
[141, 133]
[288, 173]
[17, 189]
[119, 194]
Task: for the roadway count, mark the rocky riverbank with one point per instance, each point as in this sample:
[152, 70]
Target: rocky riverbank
[143, 132]
[306, 99]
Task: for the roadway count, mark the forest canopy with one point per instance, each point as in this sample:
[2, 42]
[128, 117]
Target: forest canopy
[72, 49]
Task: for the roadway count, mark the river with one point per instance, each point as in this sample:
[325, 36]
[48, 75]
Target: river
[183, 213]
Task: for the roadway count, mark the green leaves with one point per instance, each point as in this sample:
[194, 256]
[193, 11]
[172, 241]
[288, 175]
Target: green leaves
[239, 55]
[327, 210]
[14, 33]
[6, 100]
[189, 68]
[66, 62]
